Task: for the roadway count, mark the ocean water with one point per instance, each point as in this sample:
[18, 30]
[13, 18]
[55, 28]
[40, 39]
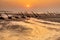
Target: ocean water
[32, 29]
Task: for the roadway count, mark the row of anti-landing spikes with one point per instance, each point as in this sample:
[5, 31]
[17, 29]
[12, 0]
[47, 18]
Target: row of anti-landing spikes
[22, 15]
[18, 16]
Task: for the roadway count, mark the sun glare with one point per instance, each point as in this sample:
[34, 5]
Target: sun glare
[27, 5]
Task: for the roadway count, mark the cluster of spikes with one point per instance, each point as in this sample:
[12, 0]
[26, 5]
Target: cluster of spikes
[18, 16]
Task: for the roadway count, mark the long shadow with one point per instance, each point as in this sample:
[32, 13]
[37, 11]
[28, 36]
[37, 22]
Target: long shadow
[45, 23]
[15, 28]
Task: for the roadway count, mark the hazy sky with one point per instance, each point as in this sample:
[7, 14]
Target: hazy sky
[30, 4]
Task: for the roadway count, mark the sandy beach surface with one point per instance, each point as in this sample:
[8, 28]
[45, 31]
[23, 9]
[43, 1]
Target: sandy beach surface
[32, 29]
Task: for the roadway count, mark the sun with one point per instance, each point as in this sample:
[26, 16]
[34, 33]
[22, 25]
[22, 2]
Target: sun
[27, 5]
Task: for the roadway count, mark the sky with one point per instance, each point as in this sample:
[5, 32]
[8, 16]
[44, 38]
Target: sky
[36, 5]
